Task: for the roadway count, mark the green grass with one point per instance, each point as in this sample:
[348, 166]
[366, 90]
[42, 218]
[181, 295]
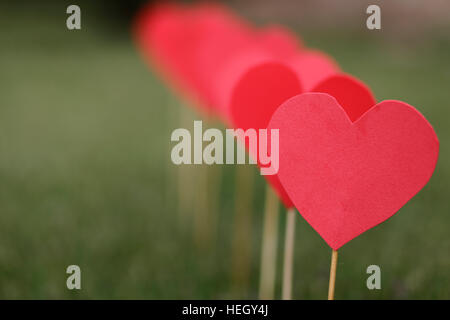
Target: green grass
[86, 177]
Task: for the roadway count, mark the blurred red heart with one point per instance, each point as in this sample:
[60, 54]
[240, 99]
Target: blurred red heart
[188, 43]
[312, 67]
[346, 177]
[279, 41]
[164, 37]
[256, 96]
[352, 94]
[262, 89]
[219, 35]
[269, 44]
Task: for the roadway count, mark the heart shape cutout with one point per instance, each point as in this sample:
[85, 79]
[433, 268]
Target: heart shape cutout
[312, 67]
[186, 44]
[263, 88]
[256, 96]
[164, 35]
[269, 44]
[219, 34]
[346, 177]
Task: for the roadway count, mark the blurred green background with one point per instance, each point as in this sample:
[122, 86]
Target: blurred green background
[86, 176]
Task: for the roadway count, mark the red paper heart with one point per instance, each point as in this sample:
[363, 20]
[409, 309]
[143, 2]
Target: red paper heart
[262, 89]
[270, 44]
[312, 67]
[353, 95]
[164, 35]
[256, 96]
[188, 43]
[279, 41]
[219, 34]
[346, 177]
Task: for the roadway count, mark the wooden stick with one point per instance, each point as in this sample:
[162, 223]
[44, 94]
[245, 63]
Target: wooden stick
[269, 246]
[186, 176]
[213, 200]
[288, 255]
[334, 259]
[171, 169]
[207, 181]
[242, 230]
[202, 228]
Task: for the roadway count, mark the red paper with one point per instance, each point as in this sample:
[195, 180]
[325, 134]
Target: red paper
[259, 92]
[352, 94]
[263, 88]
[312, 67]
[187, 44]
[270, 44]
[279, 41]
[219, 35]
[256, 96]
[163, 36]
[346, 177]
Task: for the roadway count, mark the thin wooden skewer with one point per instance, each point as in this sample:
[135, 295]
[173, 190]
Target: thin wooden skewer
[171, 170]
[288, 255]
[334, 259]
[269, 246]
[207, 180]
[242, 230]
[185, 176]
[202, 228]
